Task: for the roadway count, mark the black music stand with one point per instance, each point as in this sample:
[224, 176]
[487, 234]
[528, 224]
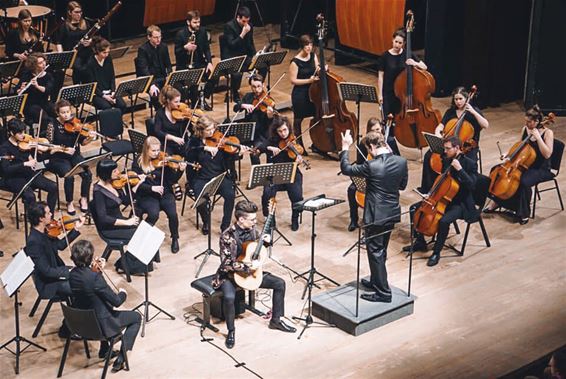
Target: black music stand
[12, 106]
[78, 95]
[18, 196]
[245, 132]
[435, 143]
[266, 60]
[226, 68]
[61, 61]
[206, 196]
[131, 88]
[118, 52]
[85, 165]
[186, 78]
[17, 272]
[360, 184]
[360, 93]
[313, 205]
[270, 174]
[8, 71]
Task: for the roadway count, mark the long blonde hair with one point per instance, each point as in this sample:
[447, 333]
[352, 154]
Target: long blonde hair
[144, 160]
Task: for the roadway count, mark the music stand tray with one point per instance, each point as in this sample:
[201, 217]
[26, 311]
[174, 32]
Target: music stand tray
[244, 131]
[87, 164]
[118, 52]
[62, 60]
[189, 77]
[131, 88]
[228, 66]
[78, 94]
[8, 71]
[435, 142]
[12, 105]
[268, 59]
[360, 93]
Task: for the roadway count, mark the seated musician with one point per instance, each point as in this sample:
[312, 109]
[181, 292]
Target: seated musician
[50, 274]
[214, 161]
[24, 165]
[231, 240]
[169, 131]
[90, 291]
[262, 117]
[19, 40]
[99, 69]
[280, 130]
[154, 194]
[192, 50]
[39, 91]
[462, 207]
[62, 162]
[541, 139]
[473, 115]
[153, 59]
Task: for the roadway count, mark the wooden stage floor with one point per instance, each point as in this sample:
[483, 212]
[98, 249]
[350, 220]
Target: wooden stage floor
[477, 316]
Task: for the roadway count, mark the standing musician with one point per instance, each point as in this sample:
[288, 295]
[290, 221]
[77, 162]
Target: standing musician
[19, 170]
[262, 115]
[462, 207]
[166, 127]
[19, 40]
[100, 69]
[90, 291]
[41, 85]
[385, 175]
[192, 50]
[50, 274]
[473, 115]
[280, 131]
[302, 73]
[541, 139]
[231, 240]
[214, 161]
[154, 194]
[61, 162]
[153, 59]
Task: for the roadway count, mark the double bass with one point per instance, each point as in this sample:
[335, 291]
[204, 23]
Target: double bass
[414, 87]
[330, 108]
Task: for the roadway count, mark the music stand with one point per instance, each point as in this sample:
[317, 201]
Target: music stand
[226, 68]
[360, 93]
[17, 272]
[266, 60]
[245, 132]
[187, 78]
[206, 196]
[78, 95]
[18, 196]
[118, 52]
[8, 71]
[435, 143]
[12, 106]
[61, 61]
[360, 184]
[133, 87]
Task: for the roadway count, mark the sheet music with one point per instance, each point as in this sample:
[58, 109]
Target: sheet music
[145, 242]
[19, 269]
[317, 203]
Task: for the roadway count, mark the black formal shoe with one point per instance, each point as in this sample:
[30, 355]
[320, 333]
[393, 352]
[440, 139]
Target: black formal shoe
[205, 106]
[280, 325]
[523, 221]
[295, 224]
[102, 353]
[230, 339]
[174, 245]
[488, 210]
[118, 363]
[433, 260]
[205, 229]
[353, 226]
[374, 297]
[366, 283]
[418, 246]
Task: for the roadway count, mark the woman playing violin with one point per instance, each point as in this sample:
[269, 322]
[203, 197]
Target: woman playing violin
[541, 139]
[167, 128]
[62, 162]
[22, 38]
[281, 131]
[155, 195]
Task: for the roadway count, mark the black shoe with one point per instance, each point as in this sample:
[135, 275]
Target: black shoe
[353, 226]
[118, 363]
[433, 260]
[295, 224]
[418, 246]
[205, 229]
[102, 353]
[488, 210]
[230, 339]
[236, 98]
[174, 245]
[366, 283]
[280, 325]
[523, 221]
[205, 106]
[374, 297]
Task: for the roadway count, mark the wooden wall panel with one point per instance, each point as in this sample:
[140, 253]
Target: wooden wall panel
[164, 11]
[367, 25]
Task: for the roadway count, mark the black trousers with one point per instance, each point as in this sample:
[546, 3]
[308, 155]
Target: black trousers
[100, 103]
[294, 191]
[269, 281]
[15, 185]
[62, 166]
[132, 321]
[152, 205]
[227, 191]
[377, 240]
[352, 203]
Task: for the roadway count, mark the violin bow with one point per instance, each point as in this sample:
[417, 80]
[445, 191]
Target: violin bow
[163, 161]
[129, 185]
[37, 135]
[65, 231]
[190, 119]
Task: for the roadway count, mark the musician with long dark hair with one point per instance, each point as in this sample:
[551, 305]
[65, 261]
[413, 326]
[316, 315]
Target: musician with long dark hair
[19, 40]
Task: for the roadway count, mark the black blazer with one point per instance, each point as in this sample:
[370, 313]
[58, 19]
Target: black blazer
[201, 56]
[385, 176]
[147, 64]
[49, 267]
[467, 178]
[234, 45]
[90, 291]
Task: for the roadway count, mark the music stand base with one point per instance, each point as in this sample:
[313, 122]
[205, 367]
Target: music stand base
[146, 304]
[311, 273]
[308, 320]
[204, 325]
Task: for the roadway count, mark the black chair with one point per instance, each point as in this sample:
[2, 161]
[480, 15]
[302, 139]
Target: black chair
[137, 139]
[50, 302]
[85, 324]
[150, 127]
[112, 244]
[555, 161]
[111, 126]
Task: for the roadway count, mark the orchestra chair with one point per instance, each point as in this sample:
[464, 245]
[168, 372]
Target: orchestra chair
[555, 162]
[111, 127]
[112, 244]
[191, 195]
[84, 324]
[50, 302]
[150, 127]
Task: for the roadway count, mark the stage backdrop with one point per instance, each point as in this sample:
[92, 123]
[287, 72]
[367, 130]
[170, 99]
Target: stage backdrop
[164, 11]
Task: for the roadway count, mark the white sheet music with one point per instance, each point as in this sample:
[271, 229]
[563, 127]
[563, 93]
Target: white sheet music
[17, 272]
[146, 241]
[317, 203]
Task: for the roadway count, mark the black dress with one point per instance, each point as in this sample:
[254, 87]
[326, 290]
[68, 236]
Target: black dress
[164, 126]
[392, 66]
[37, 100]
[68, 39]
[15, 45]
[302, 106]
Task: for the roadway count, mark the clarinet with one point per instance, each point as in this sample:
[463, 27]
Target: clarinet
[99, 24]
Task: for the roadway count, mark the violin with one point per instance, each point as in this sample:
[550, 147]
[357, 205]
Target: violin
[97, 264]
[228, 144]
[75, 125]
[506, 177]
[361, 196]
[130, 177]
[172, 161]
[6, 157]
[56, 227]
[266, 102]
[293, 149]
[184, 112]
[42, 144]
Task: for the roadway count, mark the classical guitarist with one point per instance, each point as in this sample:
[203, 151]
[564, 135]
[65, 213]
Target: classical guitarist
[232, 242]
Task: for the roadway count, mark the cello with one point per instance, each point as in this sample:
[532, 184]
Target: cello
[413, 87]
[330, 108]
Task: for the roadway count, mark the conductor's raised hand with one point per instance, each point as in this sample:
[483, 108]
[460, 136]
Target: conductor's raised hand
[347, 140]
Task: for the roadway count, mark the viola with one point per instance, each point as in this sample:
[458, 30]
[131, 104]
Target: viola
[228, 144]
[75, 125]
[130, 177]
[56, 227]
[97, 264]
[266, 102]
[42, 144]
[172, 161]
[184, 112]
[506, 177]
[361, 196]
[293, 149]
